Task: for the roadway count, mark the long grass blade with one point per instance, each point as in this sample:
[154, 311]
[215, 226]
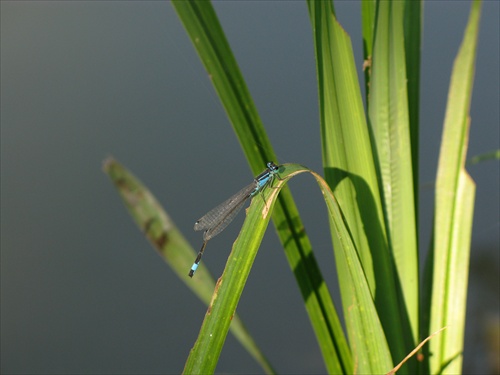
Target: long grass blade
[204, 355]
[390, 124]
[455, 193]
[413, 46]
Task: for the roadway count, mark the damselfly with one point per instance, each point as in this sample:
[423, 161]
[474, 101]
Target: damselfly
[216, 220]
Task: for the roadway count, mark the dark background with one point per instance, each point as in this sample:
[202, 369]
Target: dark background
[81, 290]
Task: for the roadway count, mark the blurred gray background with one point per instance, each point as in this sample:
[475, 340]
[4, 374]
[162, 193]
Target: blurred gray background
[81, 289]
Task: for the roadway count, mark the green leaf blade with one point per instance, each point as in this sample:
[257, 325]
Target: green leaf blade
[453, 212]
[206, 351]
[413, 46]
[371, 353]
[389, 119]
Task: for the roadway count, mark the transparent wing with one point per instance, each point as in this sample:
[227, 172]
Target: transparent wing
[221, 225]
[218, 218]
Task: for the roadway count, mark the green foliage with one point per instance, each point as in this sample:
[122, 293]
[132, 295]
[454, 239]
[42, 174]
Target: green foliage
[370, 163]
